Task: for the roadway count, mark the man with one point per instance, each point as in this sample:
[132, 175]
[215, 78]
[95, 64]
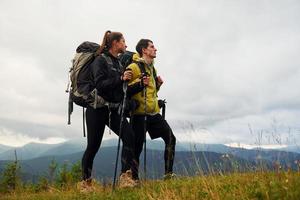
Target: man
[147, 113]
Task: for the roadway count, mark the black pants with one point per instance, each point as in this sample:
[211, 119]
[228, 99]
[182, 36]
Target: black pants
[96, 119]
[156, 127]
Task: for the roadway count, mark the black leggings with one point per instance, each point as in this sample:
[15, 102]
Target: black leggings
[156, 127]
[96, 119]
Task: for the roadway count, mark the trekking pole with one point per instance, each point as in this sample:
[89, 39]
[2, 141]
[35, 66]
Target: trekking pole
[164, 109]
[83, 121]
[145, 130]
[125, 84]
[70, 101]
[70, 109]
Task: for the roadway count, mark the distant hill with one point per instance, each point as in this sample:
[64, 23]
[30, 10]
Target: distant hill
[4, 148]
[28, 151]
[292, 148]
[69, 147]
[186, 162]
[36, 150]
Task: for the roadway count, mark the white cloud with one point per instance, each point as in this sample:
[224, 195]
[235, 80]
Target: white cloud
[231, 62]
[247, 146]
[15, 139]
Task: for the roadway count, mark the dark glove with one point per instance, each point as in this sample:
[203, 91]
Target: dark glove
[161, 103]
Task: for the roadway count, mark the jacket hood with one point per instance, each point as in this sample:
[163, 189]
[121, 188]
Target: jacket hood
[136, 57]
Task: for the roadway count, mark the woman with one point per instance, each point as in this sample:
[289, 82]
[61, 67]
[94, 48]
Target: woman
[108, 77]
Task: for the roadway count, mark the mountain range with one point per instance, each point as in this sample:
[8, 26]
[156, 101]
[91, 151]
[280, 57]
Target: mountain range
[190, 159]
[35, 150]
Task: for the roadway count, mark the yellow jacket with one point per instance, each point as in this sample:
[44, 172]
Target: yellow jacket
[151, 90]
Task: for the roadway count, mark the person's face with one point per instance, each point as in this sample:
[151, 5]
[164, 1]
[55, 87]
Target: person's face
[121, 45]
[150, 51]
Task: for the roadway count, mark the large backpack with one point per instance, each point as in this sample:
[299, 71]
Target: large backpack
[81, 87]
[80, 78]
[80, 73]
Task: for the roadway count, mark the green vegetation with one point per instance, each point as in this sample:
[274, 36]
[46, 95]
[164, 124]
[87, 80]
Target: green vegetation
[256, 185]
[10, 178]
[60, 182]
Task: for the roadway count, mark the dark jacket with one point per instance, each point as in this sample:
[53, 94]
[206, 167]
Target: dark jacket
[107, 79]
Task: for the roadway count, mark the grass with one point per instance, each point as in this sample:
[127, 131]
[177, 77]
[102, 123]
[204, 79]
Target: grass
[256, 185]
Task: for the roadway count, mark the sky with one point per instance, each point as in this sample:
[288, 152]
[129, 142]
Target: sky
[231, 68]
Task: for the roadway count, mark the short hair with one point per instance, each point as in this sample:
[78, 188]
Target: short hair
[142, 44]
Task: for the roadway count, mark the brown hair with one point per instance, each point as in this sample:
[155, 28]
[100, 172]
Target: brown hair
[108, 39]
[142, 44]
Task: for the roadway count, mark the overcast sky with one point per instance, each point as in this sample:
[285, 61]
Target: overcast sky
[231, 68]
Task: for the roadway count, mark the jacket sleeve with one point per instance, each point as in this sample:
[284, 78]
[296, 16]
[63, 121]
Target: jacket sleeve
[157, 86]
[135, 85]
[135, 88]
[102, 79]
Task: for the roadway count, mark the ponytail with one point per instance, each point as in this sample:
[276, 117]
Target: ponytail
[103, 45]
[107, 41]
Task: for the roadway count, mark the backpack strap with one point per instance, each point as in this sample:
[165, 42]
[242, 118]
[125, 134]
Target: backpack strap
[108, 60]
[110, 63]
[143, 70]
[142, 67]
[154, 74]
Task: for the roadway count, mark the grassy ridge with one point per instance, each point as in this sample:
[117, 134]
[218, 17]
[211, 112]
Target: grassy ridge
[259, 185]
